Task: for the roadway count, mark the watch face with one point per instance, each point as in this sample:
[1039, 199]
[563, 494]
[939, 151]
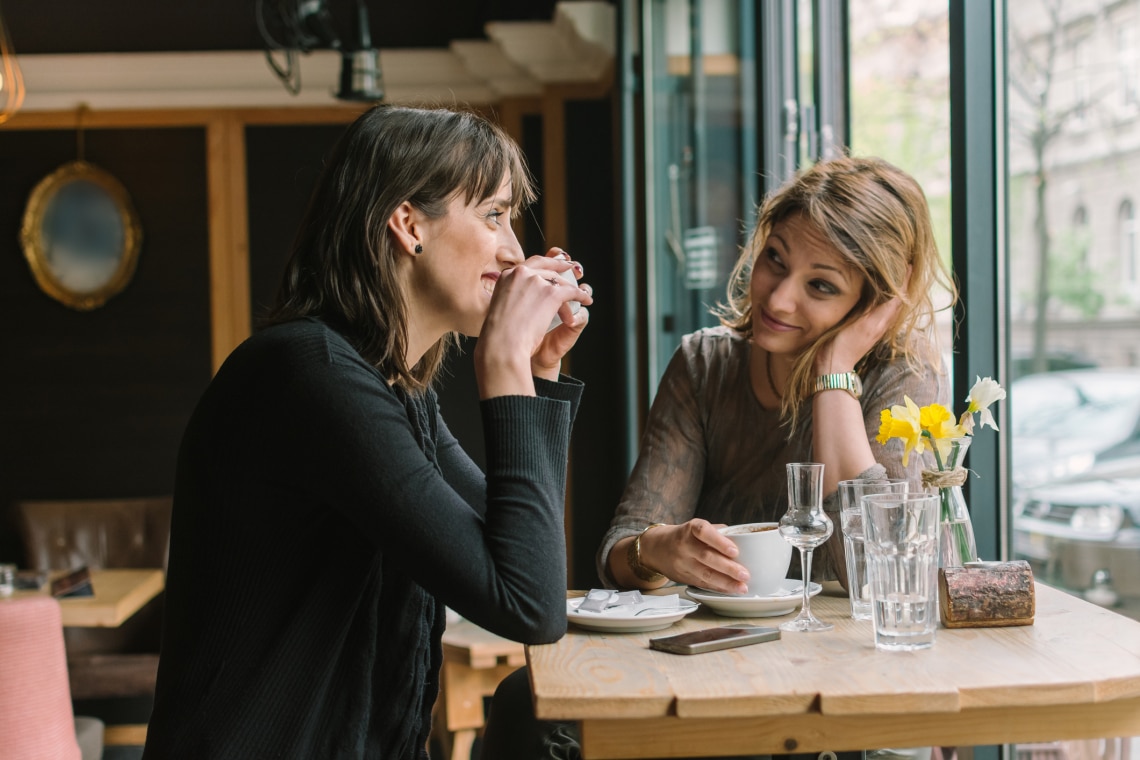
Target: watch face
[856, 384]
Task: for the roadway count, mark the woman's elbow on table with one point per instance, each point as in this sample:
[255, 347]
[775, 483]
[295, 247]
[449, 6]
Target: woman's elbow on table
[542, 624]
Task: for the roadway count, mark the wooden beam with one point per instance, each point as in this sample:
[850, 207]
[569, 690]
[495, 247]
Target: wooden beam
[228, 234]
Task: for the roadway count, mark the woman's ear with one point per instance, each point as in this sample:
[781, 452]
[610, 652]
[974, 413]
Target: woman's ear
[404, 223]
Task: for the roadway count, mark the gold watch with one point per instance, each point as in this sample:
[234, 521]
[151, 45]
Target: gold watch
[843, 381]
[633, 556]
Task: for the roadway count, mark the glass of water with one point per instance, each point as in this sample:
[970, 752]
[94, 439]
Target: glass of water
[900, 533]
[851, 493]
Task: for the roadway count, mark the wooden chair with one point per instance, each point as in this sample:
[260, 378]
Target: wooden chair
[474, 662]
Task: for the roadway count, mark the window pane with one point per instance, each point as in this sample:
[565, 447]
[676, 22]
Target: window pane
[1074, 294]
[900, 102]
[702, 171]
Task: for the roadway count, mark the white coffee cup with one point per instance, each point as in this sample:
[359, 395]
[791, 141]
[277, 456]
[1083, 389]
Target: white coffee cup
[568, 275]
[764, 552]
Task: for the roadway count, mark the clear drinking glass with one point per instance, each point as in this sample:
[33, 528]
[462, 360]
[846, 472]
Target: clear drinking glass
[805, 526]
[901, 533]
[851, 493]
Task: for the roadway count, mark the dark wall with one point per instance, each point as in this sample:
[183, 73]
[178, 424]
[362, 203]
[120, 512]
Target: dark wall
[129, 26]
[92, 404]
[283, 165]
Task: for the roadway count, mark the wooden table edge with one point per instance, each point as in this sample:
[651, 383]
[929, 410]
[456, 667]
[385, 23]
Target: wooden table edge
[613, 739]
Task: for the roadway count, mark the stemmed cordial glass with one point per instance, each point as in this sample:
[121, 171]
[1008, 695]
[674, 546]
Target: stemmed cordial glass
[805, 526]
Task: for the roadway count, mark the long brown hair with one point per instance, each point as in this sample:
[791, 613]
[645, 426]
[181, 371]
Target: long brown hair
[876, 216]
[343, 264]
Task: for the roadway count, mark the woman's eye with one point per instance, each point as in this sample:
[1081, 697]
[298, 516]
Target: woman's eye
[494, 216]
[825, 287]
[774, 258]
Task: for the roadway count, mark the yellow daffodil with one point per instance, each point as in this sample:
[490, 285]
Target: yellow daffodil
[902, 422]
[933, 426]
[938, 423]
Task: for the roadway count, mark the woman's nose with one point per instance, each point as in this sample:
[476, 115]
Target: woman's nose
[511, 251]
[783, 296]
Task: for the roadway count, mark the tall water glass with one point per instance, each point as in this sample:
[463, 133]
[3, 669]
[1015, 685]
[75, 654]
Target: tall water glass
[851, 493]
[901, 536]
[805, 526]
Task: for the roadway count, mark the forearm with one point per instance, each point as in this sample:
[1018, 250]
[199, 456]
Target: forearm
[621, 571]
[839, 437]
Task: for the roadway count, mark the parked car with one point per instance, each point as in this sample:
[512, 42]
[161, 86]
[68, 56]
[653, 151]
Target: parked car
[1073, 423]
[1076, 477]
[1084, 537]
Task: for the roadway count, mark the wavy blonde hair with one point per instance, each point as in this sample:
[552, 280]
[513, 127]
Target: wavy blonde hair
[876, 217]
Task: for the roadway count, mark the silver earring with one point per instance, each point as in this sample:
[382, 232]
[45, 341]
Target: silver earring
[419, 249]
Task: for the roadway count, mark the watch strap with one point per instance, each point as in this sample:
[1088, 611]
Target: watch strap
[840, 381]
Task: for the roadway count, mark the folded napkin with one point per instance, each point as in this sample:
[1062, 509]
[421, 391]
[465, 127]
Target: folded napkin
[606, 602]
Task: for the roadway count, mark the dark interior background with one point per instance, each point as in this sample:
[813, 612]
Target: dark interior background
[92, 404]
[141, 26]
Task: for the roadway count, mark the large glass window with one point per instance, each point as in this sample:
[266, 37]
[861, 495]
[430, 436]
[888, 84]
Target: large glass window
[1074, 153]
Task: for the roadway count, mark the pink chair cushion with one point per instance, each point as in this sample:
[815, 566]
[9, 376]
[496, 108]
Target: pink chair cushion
[36, 721]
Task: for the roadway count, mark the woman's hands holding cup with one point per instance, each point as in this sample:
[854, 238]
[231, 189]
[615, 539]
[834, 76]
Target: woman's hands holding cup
[571, 318]
[517, 340]
[694, 553]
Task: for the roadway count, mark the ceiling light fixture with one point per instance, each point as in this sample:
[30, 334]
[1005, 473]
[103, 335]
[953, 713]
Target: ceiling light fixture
[360, 77]
[290, 27]
[11, 78]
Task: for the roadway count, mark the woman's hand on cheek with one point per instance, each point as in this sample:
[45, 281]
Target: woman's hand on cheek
[856, 339]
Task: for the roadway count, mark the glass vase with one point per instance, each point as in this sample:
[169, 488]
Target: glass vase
[956, 536]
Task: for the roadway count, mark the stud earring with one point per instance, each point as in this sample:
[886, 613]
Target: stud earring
[419, 249]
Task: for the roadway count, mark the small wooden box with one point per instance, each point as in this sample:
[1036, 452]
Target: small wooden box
[986, 594]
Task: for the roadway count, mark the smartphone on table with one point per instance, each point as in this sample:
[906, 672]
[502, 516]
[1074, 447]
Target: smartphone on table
[713, 639]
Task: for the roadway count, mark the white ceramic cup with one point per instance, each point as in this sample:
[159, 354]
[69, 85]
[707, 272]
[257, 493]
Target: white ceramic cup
[764, 552]
[568, 275]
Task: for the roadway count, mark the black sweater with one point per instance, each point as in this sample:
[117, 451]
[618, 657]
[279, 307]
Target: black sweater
[322, 520]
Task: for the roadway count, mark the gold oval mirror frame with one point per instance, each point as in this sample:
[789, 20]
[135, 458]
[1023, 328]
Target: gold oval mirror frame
[81, 236]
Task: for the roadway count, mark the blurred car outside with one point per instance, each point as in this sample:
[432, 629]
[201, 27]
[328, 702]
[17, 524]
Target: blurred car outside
[1074, 423]
[1075, 445]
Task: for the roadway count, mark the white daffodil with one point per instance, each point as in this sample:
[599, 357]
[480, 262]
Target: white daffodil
[985, 392]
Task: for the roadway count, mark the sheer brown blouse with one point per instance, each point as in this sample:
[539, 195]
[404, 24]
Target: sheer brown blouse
[711, 450]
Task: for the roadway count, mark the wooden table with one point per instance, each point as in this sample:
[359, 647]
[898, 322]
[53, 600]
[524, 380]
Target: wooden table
[119, 593]
[1073, 674]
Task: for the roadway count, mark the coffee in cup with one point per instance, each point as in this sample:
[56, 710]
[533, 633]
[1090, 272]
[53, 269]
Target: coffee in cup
[765, 554]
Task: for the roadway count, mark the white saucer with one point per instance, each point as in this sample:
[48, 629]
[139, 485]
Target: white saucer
[649, 620]
[755, 606]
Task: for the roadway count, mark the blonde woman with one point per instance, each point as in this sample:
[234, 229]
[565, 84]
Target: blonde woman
[828, 320]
